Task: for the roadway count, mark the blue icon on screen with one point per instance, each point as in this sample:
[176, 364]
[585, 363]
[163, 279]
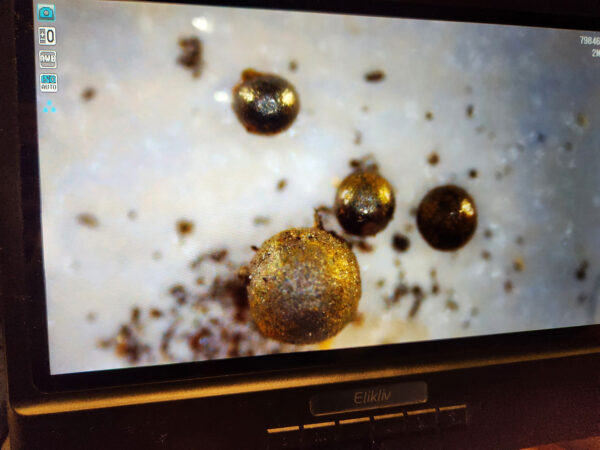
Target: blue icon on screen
[46, 13]
[49, 107]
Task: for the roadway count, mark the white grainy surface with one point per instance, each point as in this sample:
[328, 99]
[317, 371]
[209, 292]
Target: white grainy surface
[167, 145]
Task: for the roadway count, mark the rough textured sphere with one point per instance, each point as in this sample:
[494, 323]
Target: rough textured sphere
[364, 203]
[304, 286]
[265, 103]
[447, 217]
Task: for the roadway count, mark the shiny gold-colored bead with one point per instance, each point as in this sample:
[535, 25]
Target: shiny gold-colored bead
[304, 286]
[265, 103]
[364, 203]
[447, 217]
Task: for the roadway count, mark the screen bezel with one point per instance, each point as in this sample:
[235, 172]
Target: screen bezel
[24, 212]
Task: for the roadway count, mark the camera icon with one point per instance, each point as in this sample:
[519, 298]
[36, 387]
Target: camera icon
[46, 13]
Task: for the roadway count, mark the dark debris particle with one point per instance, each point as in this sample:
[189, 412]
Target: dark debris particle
[400, 242]
[254, 248]
[89, 93]
[91, 316]
[195, 341]
[293, 65]
[508, 286]
[568, 146]
[418, 297]
[323, 209]
[281, 184]
[399, 291]
[433, 159]
[365, 108]
[128, 345]
[135, 315]
[155, 313]
[364, 246]
[488, 233]
[380, 283]
[105, 343]
[428, 115]
[184, 227]
[217, 256]
[156, 255]
[486, 255]
[519, 240]
[365, 163]
[541, 138]
[88, 220]
[357, 137]
[409, 228]
[582, 120]
[582, 297]
[200, 281]
[233, 351]
[261, 220]
[191, 55]
[165, 342]
[233, 288]
[470, 111]
[132, 214]
[581, 272]
[473, 173]
[474, 311]
[178, 292]
[375, 76]
[435, 289]
[451, 305]
[518, 264]
[355, 163]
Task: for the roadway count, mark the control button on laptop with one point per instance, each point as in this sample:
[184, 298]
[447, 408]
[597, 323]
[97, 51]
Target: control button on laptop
[357, 428]
[389, 424]
[319, 432]
[452, 416]
[284, 437]
[420, 420]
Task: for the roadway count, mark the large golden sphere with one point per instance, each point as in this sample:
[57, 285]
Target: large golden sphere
[304, 286]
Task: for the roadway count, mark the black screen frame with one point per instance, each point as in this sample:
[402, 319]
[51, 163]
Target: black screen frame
[23, 276]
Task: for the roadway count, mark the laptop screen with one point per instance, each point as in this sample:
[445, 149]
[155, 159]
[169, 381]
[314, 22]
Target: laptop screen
[226, 182]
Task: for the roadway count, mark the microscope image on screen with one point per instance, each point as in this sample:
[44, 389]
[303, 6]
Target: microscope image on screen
[246, 182]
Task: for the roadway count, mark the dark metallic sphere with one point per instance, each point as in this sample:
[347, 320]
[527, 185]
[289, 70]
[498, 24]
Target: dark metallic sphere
[447, 217]
[304, 286]
[265, 103]
[364, 203]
